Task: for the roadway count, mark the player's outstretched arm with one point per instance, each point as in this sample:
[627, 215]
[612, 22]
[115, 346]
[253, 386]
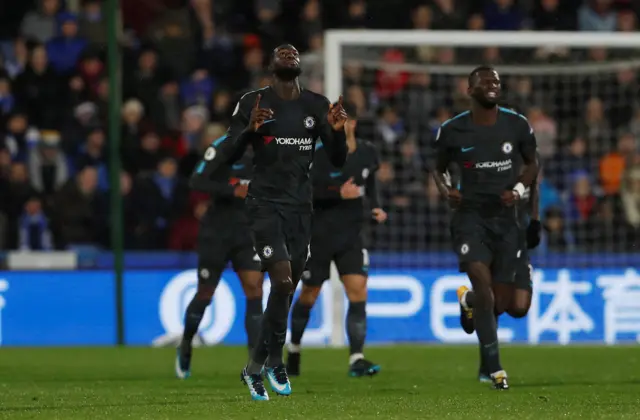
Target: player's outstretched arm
[332, 133]
[247, 118]
[529, 153]
[440, 174]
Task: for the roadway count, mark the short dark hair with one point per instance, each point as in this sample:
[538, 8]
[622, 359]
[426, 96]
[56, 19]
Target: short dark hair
[477, 70]
[349, 108]
[282, 47]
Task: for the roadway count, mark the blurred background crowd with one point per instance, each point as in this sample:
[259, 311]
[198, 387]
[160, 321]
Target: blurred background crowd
[185, 64]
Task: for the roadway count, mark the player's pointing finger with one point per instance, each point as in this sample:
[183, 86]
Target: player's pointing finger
[340, 100]
[257, 104]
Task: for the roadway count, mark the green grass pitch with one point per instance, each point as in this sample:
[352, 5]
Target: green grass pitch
[416, 382]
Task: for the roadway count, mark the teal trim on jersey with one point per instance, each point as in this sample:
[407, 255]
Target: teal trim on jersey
[510, 111]
[219, 140]
[462, 114]
[237, 166]
[269, 121]
[335, 174]
[200, 167]
[319, 145]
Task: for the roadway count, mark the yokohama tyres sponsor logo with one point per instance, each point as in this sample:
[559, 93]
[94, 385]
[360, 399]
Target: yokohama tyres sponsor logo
[499, 165]
[305, 143]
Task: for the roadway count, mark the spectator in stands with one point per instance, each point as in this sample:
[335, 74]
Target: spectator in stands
[16, 58]
[34, 233]
[91, 70]
[595, 127]
[390, 82]
[16, 191]
[613, 164]
[48, 166]
[503, 15]
[549, 15]
[569, 160]
[78, 212]
[19, 136]
[634, 124]
[174, 40]
[65, 49]
[546, 131]
[198, 89]
[630, 196]
[582, 199]
[597, 15]
[549, 197]
[92, 24]
[166, 110]
[7, 100]
[145, 158]
[184, 232]
[132, 128]
[448, 14]
[606, 230]
[38, 87]
[194, 121]
[356, 17]
[390, 128]
[161, 199]
[92, 153]
[627, 21]
[556, 237]
[623, 96]
[41, 24]
[221, 107]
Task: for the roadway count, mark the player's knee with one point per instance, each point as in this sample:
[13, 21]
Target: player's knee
[205, 292]
[280, 276]
[355, 287]
[309, 295]
[520, 305]
[518, 312]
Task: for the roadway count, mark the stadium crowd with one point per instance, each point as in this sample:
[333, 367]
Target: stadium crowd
[185, 64]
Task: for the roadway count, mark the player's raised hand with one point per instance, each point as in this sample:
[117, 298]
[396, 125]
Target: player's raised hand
[379, 215]
[455, 197]
[337, 116]
[349, 190]
[509, 198]
[259, 115]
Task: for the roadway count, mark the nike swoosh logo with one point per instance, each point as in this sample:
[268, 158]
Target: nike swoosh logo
[237, 166]
[276, 385]
[335, 174]
[467, 149]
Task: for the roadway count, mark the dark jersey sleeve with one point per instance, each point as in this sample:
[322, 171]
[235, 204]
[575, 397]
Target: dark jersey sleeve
[371, 187]
[219, 185]
[443, 149]
[335, 142]
[528, 143]
[228, 148]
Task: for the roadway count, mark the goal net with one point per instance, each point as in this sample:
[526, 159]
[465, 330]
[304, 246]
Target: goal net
[579, 91]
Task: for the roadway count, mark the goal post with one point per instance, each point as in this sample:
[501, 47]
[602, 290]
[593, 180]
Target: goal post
[335, 40]
[563, 89]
